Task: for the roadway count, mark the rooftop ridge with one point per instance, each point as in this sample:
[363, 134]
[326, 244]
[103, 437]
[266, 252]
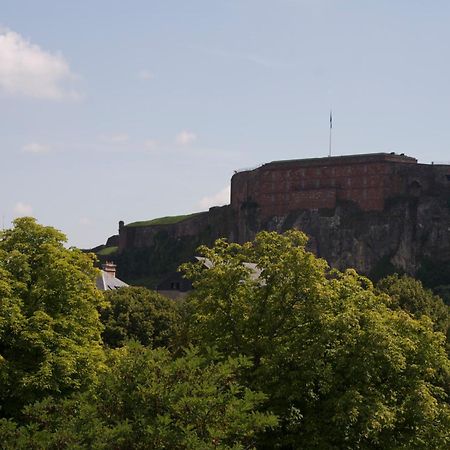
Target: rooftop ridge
[382, 156]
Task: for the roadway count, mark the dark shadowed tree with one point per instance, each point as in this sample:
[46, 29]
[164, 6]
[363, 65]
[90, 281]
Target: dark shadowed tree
[136, 313]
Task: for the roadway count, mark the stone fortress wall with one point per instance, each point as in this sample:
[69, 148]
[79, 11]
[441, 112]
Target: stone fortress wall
[280, 187]
[362, 211]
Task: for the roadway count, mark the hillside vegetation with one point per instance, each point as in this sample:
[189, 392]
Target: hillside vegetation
[168, 220]
[107, 251]
[300, 357]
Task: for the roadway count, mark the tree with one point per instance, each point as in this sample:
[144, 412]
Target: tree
[410, 295]
[139, 314]
[49, 326]
[145, 399]
[340, 368]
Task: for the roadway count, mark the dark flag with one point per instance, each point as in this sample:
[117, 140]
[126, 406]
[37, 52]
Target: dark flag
[331, 120]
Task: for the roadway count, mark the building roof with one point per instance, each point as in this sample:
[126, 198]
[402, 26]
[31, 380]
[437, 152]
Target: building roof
[255, 271]
[336, 161]
[174, 281]
[346, 159]
[106, 281]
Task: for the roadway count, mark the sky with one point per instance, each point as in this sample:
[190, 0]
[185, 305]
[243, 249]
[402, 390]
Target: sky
[114, 110]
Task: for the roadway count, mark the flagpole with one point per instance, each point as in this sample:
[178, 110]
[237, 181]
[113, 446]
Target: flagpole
[331, 127]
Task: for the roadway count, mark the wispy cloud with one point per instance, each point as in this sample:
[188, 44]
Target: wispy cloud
[36, 148]
[116, 138]
[27, 70]
[185, 137]
[261, 61]
[22, 209]
[220, 198]
[145, 74]
[150, 144]
[85, 221]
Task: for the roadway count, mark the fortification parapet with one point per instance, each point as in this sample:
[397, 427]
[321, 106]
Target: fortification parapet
[278, 187]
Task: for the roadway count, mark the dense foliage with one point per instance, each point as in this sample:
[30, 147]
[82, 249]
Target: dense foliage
[341, 369]
[273, 349]
[144, 399]
[61, 388]
[434, 274]
[49, 327]
[135, 313]
[409, 294]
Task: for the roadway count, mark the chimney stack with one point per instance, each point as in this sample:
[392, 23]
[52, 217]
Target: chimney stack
[109, 268]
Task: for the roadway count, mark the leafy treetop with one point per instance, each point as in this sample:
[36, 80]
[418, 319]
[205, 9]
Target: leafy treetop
[340, 367]
[49, 325]
[145, 399]
[410, 295]
[137, 313]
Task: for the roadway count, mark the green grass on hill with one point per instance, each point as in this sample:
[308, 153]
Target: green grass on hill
[107, 251]
[168, 220]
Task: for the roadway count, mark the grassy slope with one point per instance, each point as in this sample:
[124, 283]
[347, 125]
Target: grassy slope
[162, 220]
[107, 251]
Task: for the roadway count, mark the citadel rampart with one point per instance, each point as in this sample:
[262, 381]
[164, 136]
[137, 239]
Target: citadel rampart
[213, 224]
[362, 211]
[280, 187]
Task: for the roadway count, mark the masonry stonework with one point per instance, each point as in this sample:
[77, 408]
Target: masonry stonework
[362, 211]
[368, 180]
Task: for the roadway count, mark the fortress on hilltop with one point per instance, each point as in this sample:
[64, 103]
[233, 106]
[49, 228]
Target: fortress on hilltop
[375, 212]
[367, 180]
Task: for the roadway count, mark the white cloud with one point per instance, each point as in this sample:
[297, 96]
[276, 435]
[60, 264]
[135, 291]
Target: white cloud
[117, 138]
[22, 209]
[27, 70]
[220, 198]
[145, 74]
[150, 144]
[85, 221]
[34, 147]
[185, 137]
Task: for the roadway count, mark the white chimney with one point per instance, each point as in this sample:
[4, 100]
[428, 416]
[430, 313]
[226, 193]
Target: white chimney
[109, 268]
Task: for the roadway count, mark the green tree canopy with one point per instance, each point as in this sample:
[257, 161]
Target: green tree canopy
[49, 326]
[145, 399]
[341, 369]
[139, 314]
[410, 295]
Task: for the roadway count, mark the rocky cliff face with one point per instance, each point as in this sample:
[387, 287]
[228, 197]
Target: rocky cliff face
[409, 231]
[147, 254]
[378, 213]
[373, 212]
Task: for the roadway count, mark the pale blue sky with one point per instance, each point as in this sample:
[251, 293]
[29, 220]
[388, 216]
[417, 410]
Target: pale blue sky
[114, 110]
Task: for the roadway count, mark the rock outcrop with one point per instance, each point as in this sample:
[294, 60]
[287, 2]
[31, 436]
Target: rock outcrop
[377, 213]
